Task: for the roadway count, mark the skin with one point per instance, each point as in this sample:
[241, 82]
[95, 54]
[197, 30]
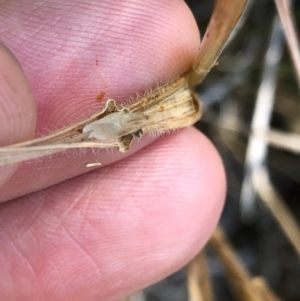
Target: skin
[104, 234]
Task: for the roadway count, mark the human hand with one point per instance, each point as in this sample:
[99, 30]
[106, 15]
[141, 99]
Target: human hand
[117, 229]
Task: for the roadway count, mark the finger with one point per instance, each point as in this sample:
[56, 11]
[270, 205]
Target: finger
[74, 51]
[17, 109]
[103, 235]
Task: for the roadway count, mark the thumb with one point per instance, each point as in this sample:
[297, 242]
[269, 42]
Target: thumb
[17, 108]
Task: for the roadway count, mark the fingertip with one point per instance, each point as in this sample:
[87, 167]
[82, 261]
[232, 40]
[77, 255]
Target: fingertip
[194, 195]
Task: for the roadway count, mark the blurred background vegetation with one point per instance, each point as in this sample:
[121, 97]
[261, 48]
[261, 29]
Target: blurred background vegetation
[230, 93]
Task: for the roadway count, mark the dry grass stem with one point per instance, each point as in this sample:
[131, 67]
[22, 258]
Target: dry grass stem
[282, 140]
[287, 19]
[198, 279]
[225, 17]
[274, 138]
[274, 202]
[263, 290]
[238, 277]
[165, 108]
[257, 148]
